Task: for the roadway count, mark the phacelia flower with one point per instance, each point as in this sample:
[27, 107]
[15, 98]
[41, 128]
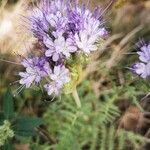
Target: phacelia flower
[86, 43]
[59, 48]
[142, 68]
[64, 30]
[59, 77]
[36, 68]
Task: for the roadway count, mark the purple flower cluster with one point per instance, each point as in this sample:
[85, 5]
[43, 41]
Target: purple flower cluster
[63, 29]
[142, 68]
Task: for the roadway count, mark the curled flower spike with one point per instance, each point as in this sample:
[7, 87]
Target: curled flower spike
[66, 32]
[142, 68]
[62, 25]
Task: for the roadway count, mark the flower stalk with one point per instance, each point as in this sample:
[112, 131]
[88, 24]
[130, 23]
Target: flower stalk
[76, 98]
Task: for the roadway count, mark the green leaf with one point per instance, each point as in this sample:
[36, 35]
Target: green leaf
[25, 126]
[8, 146]
[8, 105]
[2, 118]
[22, 133]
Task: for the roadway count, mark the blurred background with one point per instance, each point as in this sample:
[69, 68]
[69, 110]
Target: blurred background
[115, 102]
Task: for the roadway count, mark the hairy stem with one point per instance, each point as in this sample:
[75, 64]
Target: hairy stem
[76, 98]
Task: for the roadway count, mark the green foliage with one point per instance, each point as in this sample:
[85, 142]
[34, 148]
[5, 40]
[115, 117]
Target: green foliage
[109, 111]
[113, 139]
[79, 126]
[8, 105]
[2, 118]
[8, 146]
[5, 132]
[36, 146]
[12, 124]
[24, 126]
[129, 139]
[92, 126]
[135, 139]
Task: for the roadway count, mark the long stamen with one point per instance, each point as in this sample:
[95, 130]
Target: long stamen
[16, 91]
[51, 100]
[87, 4]
[20, 89]
[110, 3]
[131, 53]
[14, 82]
[129, 68]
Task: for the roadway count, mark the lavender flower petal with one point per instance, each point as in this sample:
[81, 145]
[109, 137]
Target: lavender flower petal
[144, 54]
[36, 69]
[60, 47]
[59, 77]
[143, 68]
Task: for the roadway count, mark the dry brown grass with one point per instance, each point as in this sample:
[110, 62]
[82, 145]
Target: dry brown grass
[14, 37]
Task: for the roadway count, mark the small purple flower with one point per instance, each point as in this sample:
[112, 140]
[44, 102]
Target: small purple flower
[53, 88]
[86, 28]
[57, 21]
[59, 48]
[75, 19]
[143, 68]
[38, 24]
[60, 74]
[140, 69]
[36, 69]
[86, 43]
[58, 5]
[103, 32]
[144, 53]
[59, 77]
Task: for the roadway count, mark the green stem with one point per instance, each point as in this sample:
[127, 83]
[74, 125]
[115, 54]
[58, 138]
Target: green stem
[76, 98]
